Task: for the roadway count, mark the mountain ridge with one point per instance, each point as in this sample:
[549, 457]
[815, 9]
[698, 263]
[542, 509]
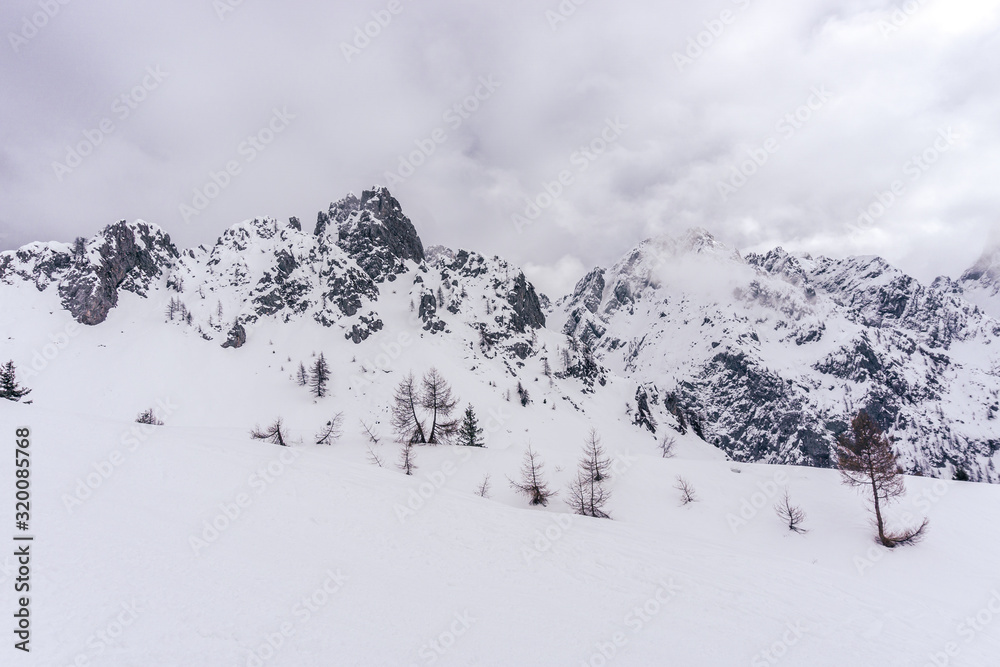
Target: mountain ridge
[764, 356]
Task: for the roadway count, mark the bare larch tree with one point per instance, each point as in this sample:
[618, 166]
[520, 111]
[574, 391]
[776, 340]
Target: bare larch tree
[533, 484]
[438, 399]
[866, 460]
[405, 420]
[272, 433]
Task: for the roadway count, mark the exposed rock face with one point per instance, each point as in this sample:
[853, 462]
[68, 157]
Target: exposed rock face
[263, 269]
[770, 356]
[524, 302]
[374, 232]
[124, 256]
[237, 337]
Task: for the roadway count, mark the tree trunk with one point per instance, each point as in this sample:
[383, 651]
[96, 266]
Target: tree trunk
[878, 518]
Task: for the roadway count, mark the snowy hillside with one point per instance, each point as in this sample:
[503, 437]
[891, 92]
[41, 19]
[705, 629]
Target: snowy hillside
[190, 543]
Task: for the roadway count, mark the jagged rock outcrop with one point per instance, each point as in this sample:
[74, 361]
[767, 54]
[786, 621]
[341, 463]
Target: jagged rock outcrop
[769, 357]
[261, 269]
[374, 232]
[124, 256]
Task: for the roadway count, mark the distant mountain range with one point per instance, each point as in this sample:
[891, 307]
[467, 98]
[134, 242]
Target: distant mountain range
[765, 356]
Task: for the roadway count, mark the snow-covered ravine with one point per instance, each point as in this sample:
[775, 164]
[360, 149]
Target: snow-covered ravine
[190, 544]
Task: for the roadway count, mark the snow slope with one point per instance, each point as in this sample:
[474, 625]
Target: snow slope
[319, 557]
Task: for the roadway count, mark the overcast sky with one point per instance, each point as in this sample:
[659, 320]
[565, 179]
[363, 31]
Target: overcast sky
[768, 123]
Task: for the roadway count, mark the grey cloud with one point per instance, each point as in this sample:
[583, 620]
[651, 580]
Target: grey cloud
[687, 130]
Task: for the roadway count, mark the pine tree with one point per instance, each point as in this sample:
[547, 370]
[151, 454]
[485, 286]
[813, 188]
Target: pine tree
[438, 399]
[469, 434]
[533, 484]
[405, 420]
[866, 460]
[320, 376]
[522, 394]
[546, 368]
[9, 388]
[303, 375]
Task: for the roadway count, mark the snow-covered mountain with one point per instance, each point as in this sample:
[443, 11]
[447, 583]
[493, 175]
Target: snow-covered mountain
[190, 543]
[981, 283]
[765, 357]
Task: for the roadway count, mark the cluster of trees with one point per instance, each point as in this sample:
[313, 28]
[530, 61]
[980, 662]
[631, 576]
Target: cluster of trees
[587, 492]
[9, 388]
[176, 308]
[317, 377]
[422, 414]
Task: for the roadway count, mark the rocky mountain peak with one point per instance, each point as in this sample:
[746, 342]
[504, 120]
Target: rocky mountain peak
[374, 231]
[986, 270]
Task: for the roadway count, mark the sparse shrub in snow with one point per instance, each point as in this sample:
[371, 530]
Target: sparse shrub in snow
[791, 514]
[374, 458]
[866, 460]
[667, 443]
[370, 432]
[272, 433]
[148, 417]
[407, 459]
[687, 491]
[533, 484]
[331, 431]
[484, 488]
